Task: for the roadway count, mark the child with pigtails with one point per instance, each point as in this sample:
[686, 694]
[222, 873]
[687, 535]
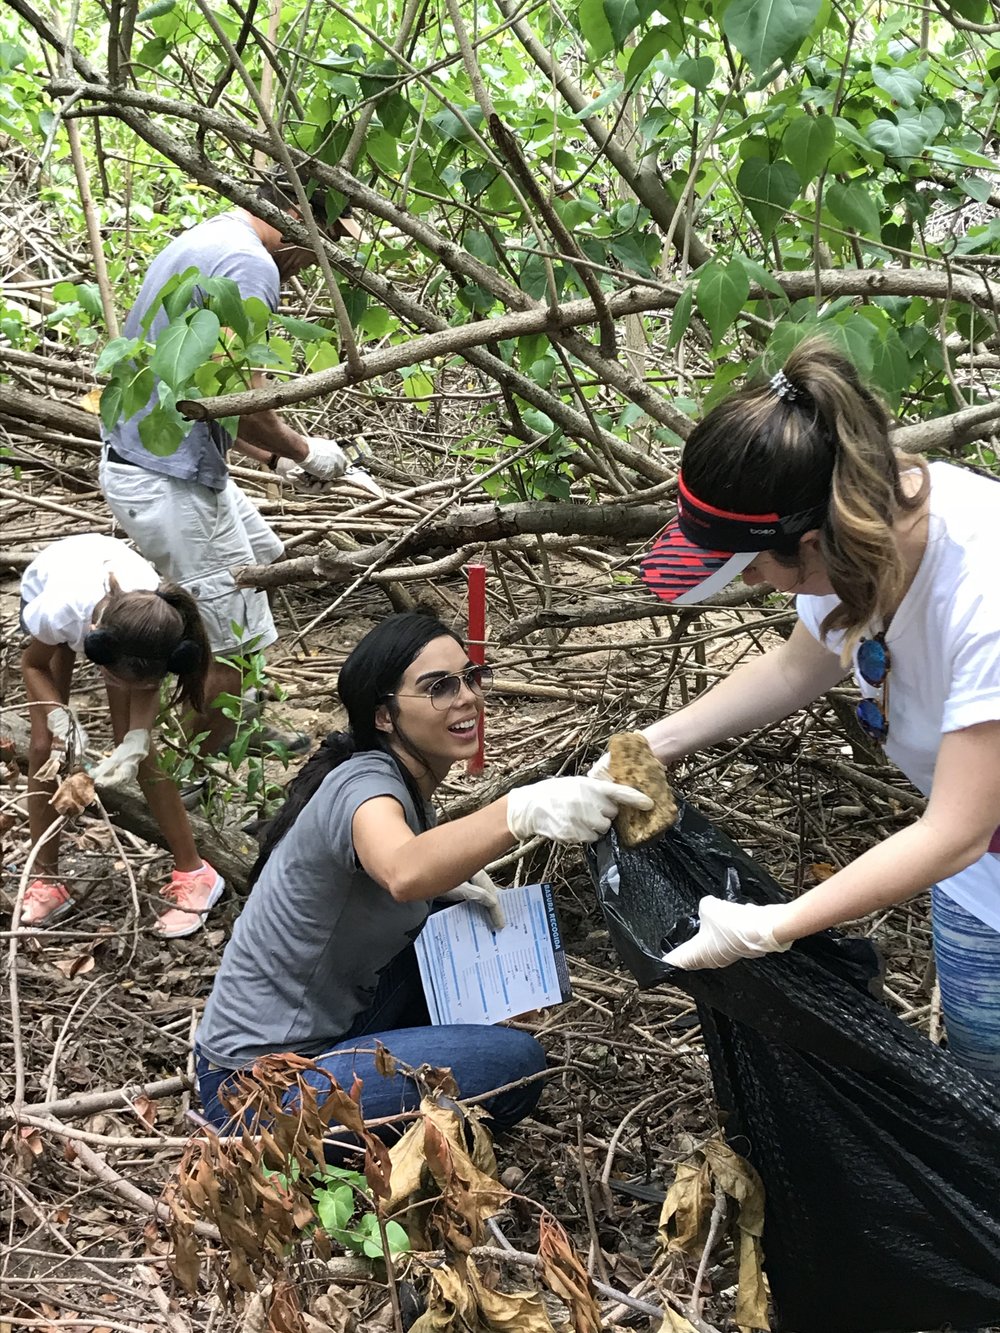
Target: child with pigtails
[95, 595]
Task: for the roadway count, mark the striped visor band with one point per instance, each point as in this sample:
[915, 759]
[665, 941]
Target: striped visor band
[704, 548]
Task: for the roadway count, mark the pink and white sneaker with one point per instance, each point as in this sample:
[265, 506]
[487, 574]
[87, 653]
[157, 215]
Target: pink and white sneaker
[44, 903]
[194, 893]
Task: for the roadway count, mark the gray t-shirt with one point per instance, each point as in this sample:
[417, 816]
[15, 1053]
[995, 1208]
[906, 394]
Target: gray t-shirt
[223, 247]
[306, 952]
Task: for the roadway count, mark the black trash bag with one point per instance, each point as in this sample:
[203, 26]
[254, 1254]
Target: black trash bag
[879, 1153]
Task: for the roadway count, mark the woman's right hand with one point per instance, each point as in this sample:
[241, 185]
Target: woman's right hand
[64, 728]
[569, 809]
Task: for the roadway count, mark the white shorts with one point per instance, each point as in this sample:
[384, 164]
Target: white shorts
[196, 536]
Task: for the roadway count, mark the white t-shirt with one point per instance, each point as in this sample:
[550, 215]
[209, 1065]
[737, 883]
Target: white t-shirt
[944, 643]
[64, 583]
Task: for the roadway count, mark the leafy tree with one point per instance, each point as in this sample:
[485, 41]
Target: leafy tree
[611, 212]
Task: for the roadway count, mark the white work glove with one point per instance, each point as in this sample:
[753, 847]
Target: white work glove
[729, 931]
[325, 461]
[123, 762]
[569, 809]
[63, 726]
[479, 889]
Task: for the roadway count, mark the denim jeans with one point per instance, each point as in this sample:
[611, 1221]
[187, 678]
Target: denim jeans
[967, 952]
[481, 1058]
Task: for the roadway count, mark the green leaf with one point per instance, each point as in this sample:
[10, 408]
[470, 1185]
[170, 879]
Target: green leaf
[903, 85]
[225, 299]
[161, 432]
[303, 329]
[908, 135]
[681, 317]
[111, 404]
[182, 347]
[449, 126]
[758, 273]
[378, 77]
[651, 44]
[394, 114]
[808, 144]
[976, 188]
[599, 103]
[137, 391]
[765, 30]
[399, 1241]
[854, 207]
[623, 18]
[116, 350]
[155, 11]
[593, 24]
[697, 72]
[721, 292]
[768, 188]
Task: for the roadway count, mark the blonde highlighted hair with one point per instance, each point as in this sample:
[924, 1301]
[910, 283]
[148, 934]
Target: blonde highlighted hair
[826, 441]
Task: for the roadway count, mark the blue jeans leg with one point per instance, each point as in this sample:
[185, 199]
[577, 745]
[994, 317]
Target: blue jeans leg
[968, 964]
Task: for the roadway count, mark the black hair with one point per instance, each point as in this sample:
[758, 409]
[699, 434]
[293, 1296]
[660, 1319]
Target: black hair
[368, 680]
[146, 635]
[328, 207]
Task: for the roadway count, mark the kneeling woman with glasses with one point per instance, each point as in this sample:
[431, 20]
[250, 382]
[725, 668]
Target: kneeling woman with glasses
[321, 962]
[896, 565]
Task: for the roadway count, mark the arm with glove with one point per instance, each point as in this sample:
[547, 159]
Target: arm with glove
[415, 867]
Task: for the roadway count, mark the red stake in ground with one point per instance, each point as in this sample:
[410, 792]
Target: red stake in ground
[477, 646]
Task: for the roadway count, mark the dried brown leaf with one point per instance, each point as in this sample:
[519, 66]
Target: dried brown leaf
[73, 795]
[565, 1275]
[145, 1108]
[519, 1311]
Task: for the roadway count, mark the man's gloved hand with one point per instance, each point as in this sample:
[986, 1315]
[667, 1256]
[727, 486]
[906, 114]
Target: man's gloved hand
[569, 809]
[326, 460]
[479, 889]
[727, 932]
[63, 726]
[123, 762]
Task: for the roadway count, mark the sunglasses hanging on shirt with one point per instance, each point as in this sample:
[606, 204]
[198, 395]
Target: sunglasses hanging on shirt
[874, 663]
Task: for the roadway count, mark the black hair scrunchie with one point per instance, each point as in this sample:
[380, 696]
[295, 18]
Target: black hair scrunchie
[184, 658]
[101, 647]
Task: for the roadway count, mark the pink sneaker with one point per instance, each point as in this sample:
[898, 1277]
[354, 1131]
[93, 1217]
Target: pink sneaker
[195, 893]
[44, 903]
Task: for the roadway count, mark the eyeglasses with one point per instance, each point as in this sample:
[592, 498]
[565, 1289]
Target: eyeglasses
[874, 663]
[443, 691]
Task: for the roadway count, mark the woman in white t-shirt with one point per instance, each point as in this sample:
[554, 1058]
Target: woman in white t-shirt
[93, 594]
[896, 567]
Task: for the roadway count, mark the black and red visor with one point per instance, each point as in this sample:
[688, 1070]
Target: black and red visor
[704, 548]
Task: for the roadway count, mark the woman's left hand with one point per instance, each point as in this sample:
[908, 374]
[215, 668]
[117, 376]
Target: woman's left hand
[122, 764]
[479, 889]
[729, 931]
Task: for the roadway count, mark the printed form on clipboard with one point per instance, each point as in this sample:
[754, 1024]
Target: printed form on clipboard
[474, 974]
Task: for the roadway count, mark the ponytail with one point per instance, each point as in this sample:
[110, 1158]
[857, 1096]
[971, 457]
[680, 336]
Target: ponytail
[857, 542]
[335, 750]
[192, 656]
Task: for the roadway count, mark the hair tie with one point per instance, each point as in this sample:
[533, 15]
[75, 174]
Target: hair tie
[184, 658]
[101, 646]
[785, 389]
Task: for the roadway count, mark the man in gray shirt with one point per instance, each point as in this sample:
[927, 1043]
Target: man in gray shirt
[183, 510]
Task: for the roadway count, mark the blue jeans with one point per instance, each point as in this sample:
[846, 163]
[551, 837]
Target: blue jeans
[968, 965]
[481, 1058]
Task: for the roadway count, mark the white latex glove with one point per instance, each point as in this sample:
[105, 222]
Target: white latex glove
[569, 809]
[325, 461]
[63, 726]
[303, 482]
[479, 889]
[729, 931]
[123, 762]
